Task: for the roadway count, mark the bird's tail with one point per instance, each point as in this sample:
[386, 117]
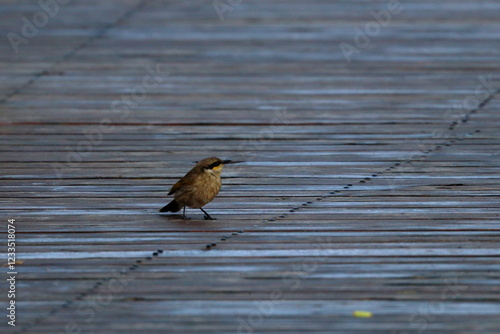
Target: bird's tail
[171, 207]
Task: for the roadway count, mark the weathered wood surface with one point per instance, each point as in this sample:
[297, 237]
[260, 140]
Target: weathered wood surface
[360, 189]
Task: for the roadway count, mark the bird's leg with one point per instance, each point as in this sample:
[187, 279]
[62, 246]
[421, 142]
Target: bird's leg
[184, 214]
[207, 216]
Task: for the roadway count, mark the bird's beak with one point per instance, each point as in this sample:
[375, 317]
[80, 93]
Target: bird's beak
[226, 162]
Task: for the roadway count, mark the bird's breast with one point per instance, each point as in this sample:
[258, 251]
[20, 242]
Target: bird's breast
[202, 191]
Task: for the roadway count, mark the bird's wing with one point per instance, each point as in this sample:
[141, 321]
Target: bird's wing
[176, 186]
[186, 180]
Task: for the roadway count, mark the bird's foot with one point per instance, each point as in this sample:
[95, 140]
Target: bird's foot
[185, 217]
[207, 217]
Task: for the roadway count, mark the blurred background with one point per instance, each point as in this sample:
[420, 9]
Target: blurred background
[369, 135]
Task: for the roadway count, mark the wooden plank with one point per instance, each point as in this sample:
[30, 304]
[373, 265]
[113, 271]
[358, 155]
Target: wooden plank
[371, 185]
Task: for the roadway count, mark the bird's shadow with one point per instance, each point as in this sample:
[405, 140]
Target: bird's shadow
[190, 221]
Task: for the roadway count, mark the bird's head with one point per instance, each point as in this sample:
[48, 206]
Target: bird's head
[212, 165]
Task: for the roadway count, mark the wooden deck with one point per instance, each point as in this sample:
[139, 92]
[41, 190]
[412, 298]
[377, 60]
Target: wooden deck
[367, 186]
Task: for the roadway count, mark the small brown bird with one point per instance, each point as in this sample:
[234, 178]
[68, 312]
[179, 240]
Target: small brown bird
[198, 187]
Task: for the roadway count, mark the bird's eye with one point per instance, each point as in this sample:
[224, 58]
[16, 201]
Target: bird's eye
[215, 164]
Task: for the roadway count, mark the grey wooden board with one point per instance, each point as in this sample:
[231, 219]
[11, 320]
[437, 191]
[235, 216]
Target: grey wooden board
[355, 193]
